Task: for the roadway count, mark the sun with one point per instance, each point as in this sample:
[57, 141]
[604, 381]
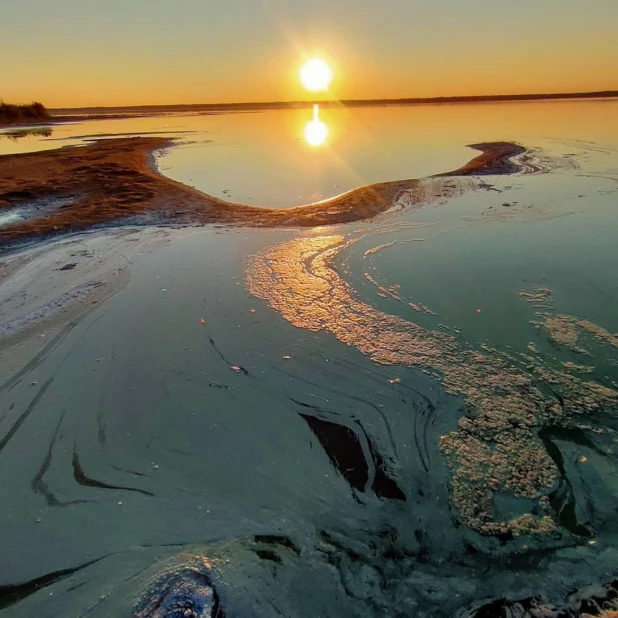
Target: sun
[316, 75]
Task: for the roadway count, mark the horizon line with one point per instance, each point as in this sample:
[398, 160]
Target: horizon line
[359, 102]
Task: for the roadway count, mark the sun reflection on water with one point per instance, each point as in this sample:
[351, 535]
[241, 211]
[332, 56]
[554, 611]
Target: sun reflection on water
[316, 132]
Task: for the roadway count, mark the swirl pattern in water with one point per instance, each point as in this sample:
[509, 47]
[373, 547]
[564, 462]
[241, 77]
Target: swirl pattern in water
[497, 449]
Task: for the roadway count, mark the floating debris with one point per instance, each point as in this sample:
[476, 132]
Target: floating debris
[202, 321]
[382, 291]
[579, 368]
[567, 330]
[539, 297]
[426, 309]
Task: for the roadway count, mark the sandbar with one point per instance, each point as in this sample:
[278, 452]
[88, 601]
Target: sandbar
[116, 181]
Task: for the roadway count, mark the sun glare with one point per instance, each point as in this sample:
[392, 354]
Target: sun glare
[316, 75]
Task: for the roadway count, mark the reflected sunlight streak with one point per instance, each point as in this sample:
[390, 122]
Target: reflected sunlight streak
[316, 131]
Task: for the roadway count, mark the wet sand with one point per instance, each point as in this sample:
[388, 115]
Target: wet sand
[45, 287]
[116, 180]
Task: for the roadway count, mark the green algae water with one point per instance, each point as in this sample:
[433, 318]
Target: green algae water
[410, 416]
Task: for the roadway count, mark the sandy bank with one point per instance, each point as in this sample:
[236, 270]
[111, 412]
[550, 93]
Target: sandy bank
[116, 180]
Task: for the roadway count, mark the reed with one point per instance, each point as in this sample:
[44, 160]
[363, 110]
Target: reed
[10, 113]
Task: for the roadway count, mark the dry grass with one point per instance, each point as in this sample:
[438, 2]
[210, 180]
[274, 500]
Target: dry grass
[32, 112]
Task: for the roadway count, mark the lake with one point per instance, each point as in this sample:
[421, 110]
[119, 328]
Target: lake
[414, 415]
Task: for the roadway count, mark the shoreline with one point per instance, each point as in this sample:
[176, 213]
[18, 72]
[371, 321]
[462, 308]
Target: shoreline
[116, 181]
[264, 105]
[120, 112]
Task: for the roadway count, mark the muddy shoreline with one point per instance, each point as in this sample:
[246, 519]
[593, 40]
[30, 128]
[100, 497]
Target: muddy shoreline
[115, 180]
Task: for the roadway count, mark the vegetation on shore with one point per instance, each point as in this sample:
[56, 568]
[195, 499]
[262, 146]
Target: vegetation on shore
[22, 113]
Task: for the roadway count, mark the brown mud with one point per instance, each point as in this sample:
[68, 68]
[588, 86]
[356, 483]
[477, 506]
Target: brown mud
[115, 180]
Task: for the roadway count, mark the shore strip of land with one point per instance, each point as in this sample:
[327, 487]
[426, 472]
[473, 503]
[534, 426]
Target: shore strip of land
[81, 114]
[214, 108]
[116, 180]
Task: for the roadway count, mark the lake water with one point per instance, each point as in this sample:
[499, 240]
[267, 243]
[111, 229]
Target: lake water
[410, 416]
[264, 158]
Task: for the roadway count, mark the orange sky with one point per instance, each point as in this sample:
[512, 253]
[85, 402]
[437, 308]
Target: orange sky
[88, 53]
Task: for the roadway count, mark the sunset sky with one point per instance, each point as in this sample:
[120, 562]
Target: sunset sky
[70, 53]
